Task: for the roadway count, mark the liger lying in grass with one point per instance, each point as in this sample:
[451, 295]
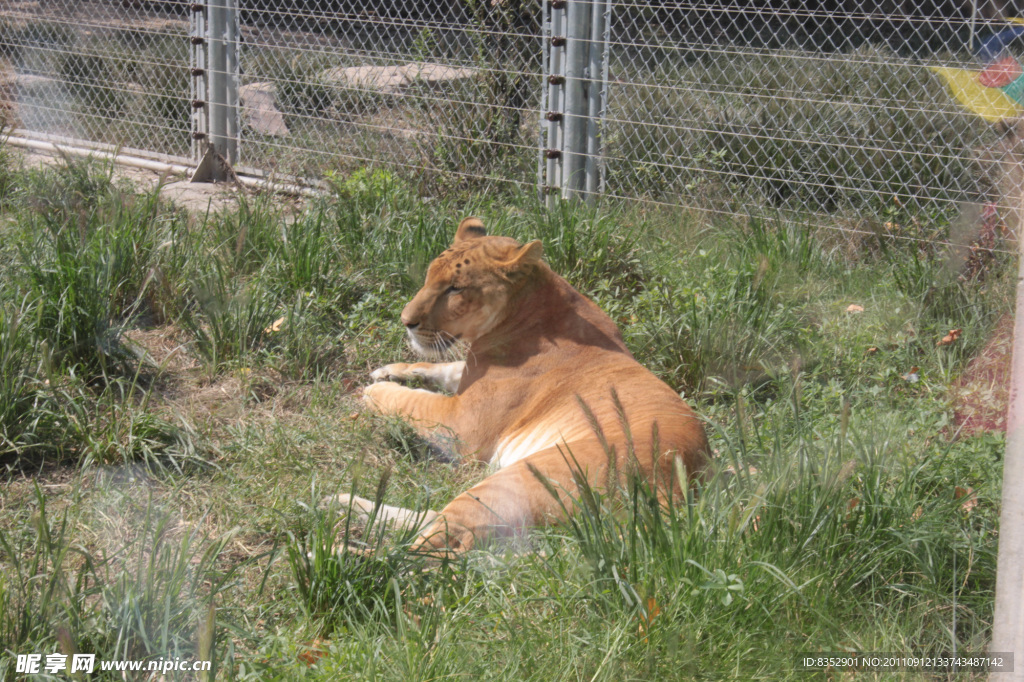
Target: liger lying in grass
[548, 395]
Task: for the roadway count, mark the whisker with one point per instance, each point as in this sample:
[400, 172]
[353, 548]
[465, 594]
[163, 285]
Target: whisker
[453, 348]
[438, 345]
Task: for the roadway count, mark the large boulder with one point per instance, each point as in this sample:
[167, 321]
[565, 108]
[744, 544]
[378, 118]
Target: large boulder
[394, 80]
[259, 109]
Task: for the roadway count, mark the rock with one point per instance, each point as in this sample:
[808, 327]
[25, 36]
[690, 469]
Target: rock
[259, 108]
[393, 80]
[8, 99]
[28, 81]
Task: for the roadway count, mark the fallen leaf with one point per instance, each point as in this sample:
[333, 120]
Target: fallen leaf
[647, 618]
[652, 608]
[275, 327]
[872, 350]
[972, 500]
[854, 308]
[314, 651]
[852, 504]
[413, 618]
[917, 514]
[949, 338]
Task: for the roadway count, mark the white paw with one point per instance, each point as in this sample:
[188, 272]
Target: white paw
[360, 506]
[341, 500]
[381, 374]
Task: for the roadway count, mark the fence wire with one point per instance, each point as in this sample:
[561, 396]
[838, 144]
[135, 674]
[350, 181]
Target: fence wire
[798, 109]
[828, 112]
[97, 72]
[442, 95]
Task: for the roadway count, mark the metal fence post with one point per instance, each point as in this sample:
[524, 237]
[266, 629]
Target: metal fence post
[600, 27]
[1008, 619]
[552, 109]
[576, 37]
[199, 84]
[553, 114]
[216, 75]
[577, 87]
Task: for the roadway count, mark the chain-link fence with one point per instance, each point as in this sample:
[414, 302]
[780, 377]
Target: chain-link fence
[836, 108]
[803, 108]
[97, 72]
[434, 91]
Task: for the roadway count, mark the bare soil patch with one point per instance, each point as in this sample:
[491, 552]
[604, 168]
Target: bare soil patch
[982, 394]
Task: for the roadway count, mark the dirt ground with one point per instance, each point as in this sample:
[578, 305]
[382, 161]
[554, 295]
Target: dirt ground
[982, 393]
[198, 197]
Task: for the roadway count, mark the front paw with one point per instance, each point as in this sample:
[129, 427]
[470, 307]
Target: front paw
[375, 395]
[388, 372]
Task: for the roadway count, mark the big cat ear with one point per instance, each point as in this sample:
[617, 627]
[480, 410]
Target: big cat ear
[528, 254]
[470, 228]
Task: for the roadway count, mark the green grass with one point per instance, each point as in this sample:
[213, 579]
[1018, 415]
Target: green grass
[180, 393]
[20, 356]
[137, 598]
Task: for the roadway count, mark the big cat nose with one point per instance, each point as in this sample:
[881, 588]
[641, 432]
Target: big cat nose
[410, 316]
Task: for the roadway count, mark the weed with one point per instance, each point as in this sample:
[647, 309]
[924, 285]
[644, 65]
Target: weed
[721, 326]
[86, 264]
[341, 579]
[135, 601]
[38, 590]
[115, 427]
[584, 245]
[247, 239]
[72, 188]
[150, 590]
[20, 359]
[753, 545]
[231, 316]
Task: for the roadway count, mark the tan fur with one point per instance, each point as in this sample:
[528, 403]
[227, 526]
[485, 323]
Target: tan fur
[537, 350]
